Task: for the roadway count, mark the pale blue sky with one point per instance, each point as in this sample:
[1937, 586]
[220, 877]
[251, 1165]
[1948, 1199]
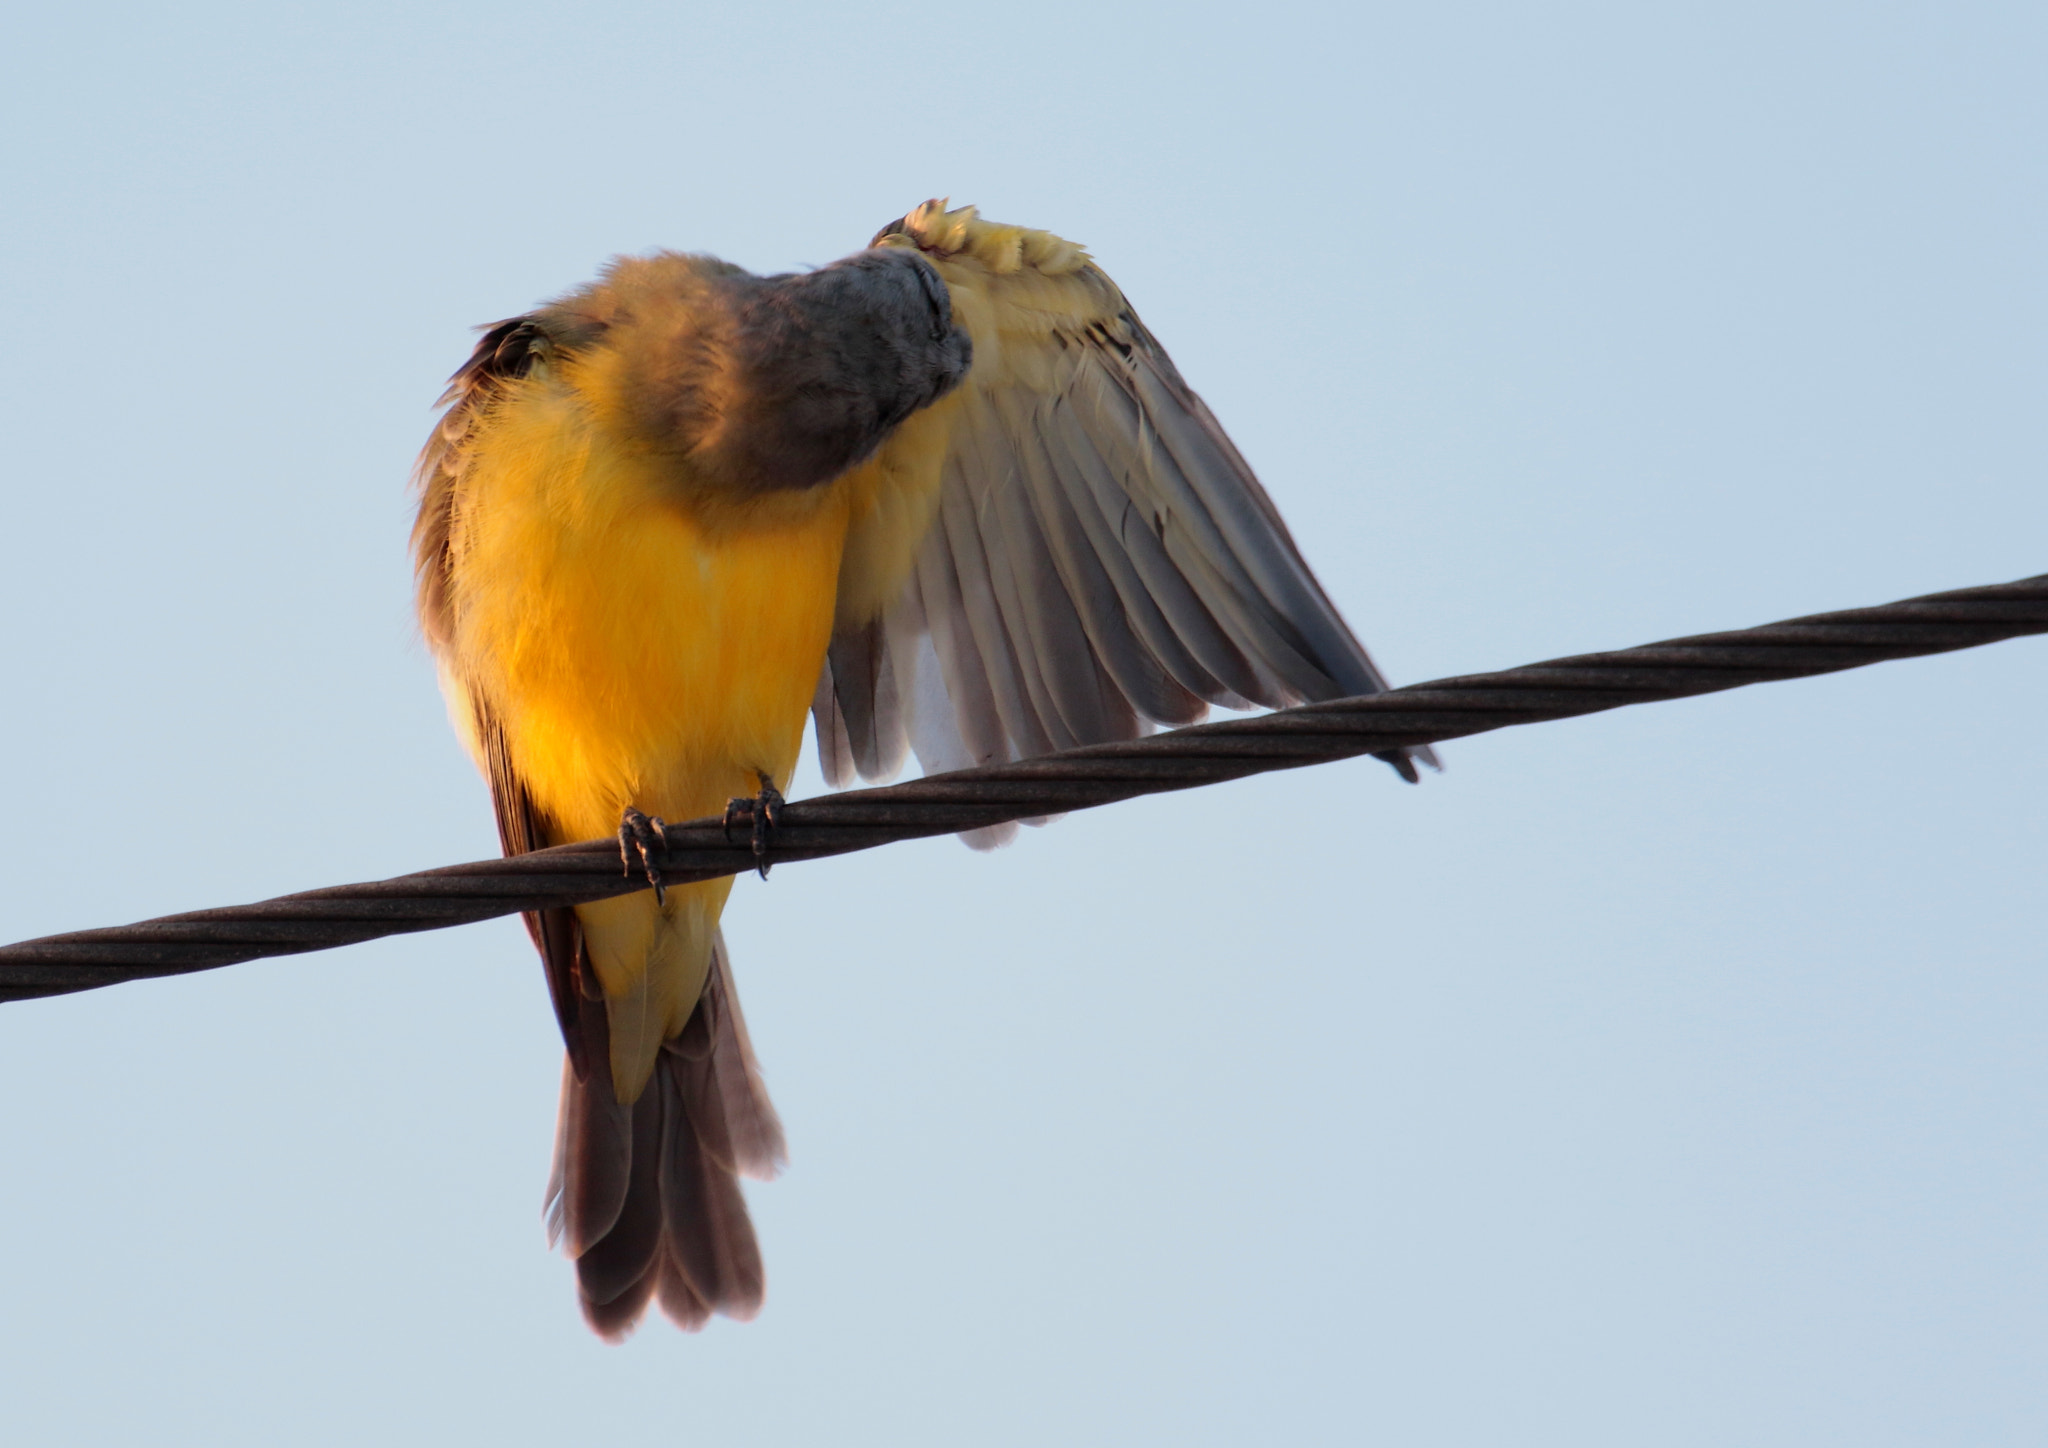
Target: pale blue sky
[1673, 1077]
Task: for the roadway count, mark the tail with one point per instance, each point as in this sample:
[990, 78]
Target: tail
[646, 1198]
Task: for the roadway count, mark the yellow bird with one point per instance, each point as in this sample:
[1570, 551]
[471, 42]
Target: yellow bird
[946, 495]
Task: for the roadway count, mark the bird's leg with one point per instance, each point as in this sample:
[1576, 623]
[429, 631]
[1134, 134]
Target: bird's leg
[764, 811]
[642, 835]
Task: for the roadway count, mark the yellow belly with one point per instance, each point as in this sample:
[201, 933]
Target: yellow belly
[637, 652]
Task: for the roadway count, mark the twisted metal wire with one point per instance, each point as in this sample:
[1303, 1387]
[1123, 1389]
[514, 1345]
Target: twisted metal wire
[1075, 779]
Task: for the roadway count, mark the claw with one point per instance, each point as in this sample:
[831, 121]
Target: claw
[642, 835]
[763, 812]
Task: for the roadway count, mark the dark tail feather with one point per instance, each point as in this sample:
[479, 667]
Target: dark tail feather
[720, 1081]
[646, 1197]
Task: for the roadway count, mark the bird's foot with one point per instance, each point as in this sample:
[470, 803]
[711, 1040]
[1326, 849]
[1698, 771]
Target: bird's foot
[643, 835]
[763, 812]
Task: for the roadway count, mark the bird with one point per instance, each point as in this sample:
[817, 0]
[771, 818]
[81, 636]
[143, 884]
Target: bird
[947, 496]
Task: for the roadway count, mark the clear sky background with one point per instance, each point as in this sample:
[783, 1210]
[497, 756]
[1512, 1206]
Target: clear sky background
[1673, 1077]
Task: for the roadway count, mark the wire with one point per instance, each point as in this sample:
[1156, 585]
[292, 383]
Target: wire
[1099, 774]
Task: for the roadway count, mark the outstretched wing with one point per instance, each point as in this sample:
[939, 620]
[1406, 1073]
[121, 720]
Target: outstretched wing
[1101, 559]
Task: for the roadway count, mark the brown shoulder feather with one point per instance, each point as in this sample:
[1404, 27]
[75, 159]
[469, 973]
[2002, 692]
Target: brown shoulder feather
[507, 349]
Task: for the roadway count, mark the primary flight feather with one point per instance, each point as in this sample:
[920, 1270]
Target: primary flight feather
[947, 495]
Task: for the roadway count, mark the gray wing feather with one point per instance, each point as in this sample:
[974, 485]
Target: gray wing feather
[1057, 661]
[835, 748]
[1105, 448]
[954, 721]
[870, 716]
[1249, 533]
[968, 678]
[1003, 654]
[1076, 536]
[1216, 558]
[1171, 623]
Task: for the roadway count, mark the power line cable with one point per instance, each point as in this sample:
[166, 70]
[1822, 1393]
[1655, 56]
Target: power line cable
[837, 824]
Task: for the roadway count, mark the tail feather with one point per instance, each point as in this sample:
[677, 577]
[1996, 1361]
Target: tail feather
[709, 1239]
[721, 1086]
[646, 1197]
[593, 1168]
[680, 1303]
[619, 1260]
[614, 1321]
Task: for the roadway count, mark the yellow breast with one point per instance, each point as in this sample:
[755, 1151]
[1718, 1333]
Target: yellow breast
[639, 647]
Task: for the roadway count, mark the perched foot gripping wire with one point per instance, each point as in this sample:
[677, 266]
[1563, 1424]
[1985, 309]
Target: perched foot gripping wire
[1076, 779]
[763, 812]
[644, 837]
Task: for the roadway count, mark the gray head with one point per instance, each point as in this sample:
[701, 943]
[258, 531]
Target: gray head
[764, 383]
[832, 360]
